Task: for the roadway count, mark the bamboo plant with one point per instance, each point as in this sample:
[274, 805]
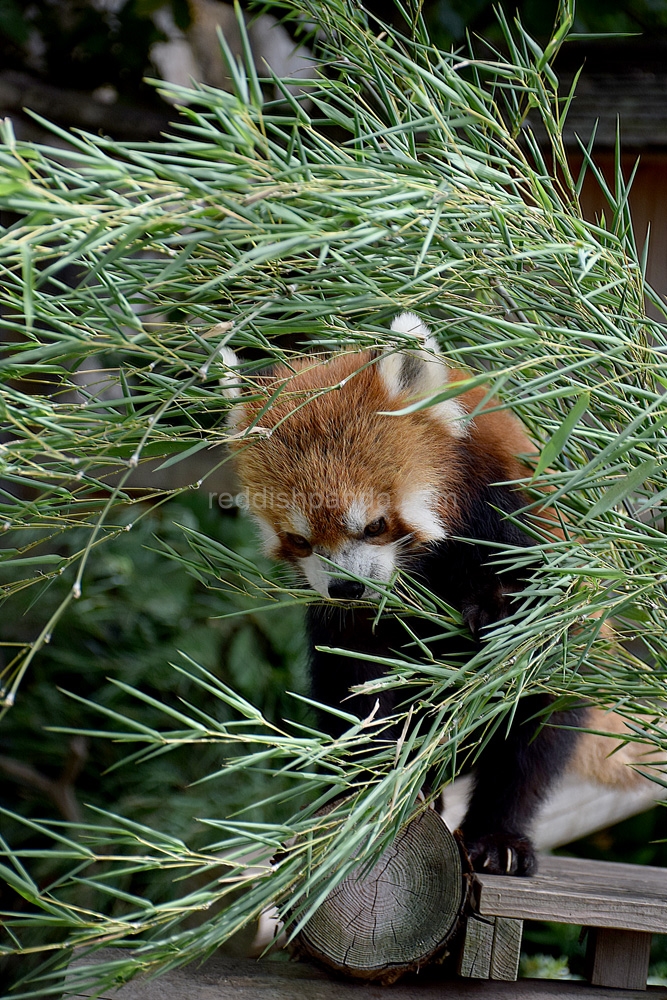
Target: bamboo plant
[404, 178]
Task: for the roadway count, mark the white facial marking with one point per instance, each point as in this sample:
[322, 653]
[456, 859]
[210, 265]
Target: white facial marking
[316, 573]
[374, 562]
[300, 523]
[384, 562]
[270, 540]
[419, 511]
[356, 518]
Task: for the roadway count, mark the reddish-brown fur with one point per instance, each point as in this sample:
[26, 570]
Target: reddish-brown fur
[329, 434]
[330, 437]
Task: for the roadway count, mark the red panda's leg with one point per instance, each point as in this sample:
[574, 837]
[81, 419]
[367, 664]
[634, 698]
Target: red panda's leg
[515, 773]
[332, 675]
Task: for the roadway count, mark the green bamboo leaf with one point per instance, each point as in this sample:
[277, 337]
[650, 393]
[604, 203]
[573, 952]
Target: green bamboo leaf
[255, 216]
[182, 455]
[454, 390]
[620, 490]
[24, 886]
[561, 435]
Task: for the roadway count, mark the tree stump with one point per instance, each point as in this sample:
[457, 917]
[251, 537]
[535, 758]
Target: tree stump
[398, 916]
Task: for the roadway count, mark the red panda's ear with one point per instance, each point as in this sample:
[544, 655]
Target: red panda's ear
[231, 389]
[411, 324]
[229, 381]
[420, 373]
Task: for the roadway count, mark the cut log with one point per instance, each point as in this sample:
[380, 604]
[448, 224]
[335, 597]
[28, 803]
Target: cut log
[398, 916]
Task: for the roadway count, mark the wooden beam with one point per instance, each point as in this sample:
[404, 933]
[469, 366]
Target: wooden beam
[475, 957]
[506, 952]
[491, 948]
[618, 958]
[578, 891]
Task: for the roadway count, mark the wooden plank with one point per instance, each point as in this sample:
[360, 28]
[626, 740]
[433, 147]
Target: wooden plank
[577, 891]
[475, 957]
[506, 950]
[222, 978]
[619, 958]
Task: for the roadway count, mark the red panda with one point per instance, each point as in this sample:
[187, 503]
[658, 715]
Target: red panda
[343, 490]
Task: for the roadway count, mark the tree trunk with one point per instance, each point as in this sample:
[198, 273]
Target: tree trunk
[401, 914]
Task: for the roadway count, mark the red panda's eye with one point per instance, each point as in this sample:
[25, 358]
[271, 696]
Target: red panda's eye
[375, 528]
[300, 544]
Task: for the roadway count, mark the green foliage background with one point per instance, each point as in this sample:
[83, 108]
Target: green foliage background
[83, 45]
[409, 182]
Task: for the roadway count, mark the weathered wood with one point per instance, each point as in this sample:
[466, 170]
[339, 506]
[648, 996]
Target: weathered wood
[222, 978]
[491, 948]
[506, 951]
[398, 916]
[619, 958]
[577, 891]
[475, 957]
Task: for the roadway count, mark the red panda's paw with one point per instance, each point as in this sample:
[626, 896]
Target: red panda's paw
[502, 854]
[477, 618]
[491, 607]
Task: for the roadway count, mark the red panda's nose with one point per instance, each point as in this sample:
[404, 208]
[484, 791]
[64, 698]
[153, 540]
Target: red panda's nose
[346, 590]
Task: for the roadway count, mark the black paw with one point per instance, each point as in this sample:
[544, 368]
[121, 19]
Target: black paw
[477, 618]
[488, 609]
[501, 854]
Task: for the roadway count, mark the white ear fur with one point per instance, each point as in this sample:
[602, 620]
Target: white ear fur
[231, 389]
[421, 373]
[411, 324]
[229, 381]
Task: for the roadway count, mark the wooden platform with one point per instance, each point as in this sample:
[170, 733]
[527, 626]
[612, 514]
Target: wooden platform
[577, 891]
[230, 979]
[621, 905]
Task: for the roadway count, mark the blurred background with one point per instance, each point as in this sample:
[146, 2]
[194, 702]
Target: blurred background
[85, 63]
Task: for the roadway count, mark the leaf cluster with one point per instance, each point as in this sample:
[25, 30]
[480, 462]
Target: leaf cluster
[406, 178]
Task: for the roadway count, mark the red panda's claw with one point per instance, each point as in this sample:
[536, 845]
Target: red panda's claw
[502, 854]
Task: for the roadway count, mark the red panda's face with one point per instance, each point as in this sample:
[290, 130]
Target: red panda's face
[338, 486]
[358, 541]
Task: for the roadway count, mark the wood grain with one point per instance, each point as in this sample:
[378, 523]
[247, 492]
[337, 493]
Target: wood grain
[228, 979]
[398, 916]
[506, 951]
[577, 891]
[475, 957]
[619, 958]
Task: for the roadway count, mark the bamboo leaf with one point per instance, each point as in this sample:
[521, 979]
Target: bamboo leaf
[622, 489]
[561, 435]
